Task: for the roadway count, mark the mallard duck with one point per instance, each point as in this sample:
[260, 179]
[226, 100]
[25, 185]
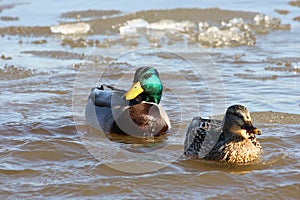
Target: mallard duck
[134, 112]
[232, 140]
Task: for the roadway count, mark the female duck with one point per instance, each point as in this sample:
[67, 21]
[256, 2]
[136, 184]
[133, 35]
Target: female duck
[136, 112]
[235, 142]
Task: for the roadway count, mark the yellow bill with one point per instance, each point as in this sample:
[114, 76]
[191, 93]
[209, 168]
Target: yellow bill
[134, 91]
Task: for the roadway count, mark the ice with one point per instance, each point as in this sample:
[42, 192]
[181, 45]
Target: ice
[264, 23]
[74, 28]
[184, 26]
[232, 32]
[131, 27]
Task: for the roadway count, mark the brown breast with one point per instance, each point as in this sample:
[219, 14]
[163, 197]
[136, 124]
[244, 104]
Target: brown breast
[141, 120]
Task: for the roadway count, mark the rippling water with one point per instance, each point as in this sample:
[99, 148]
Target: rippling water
[47, 151]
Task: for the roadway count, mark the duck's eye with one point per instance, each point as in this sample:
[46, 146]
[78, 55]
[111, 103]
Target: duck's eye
[147, 76]
[237, 114]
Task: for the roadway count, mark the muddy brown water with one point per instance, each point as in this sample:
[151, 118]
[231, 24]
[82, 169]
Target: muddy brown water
[48, 152]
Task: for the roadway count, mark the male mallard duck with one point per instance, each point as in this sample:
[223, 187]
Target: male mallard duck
[235, 140]
[135, 112]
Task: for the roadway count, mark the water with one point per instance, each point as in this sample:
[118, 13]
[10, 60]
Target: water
[46, 78]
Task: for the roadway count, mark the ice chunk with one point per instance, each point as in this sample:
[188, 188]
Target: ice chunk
[131, 27]
[76, 28]
[234, 32]
[184, 26]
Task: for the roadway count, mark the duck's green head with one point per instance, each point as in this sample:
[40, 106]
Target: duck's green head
[146, 84]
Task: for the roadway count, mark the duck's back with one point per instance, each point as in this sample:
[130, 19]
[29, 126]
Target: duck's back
[201, 136]
[98, 112]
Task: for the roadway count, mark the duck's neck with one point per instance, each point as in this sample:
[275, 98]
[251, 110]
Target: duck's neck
[154, 98]
[230, 136]
[144, 97]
